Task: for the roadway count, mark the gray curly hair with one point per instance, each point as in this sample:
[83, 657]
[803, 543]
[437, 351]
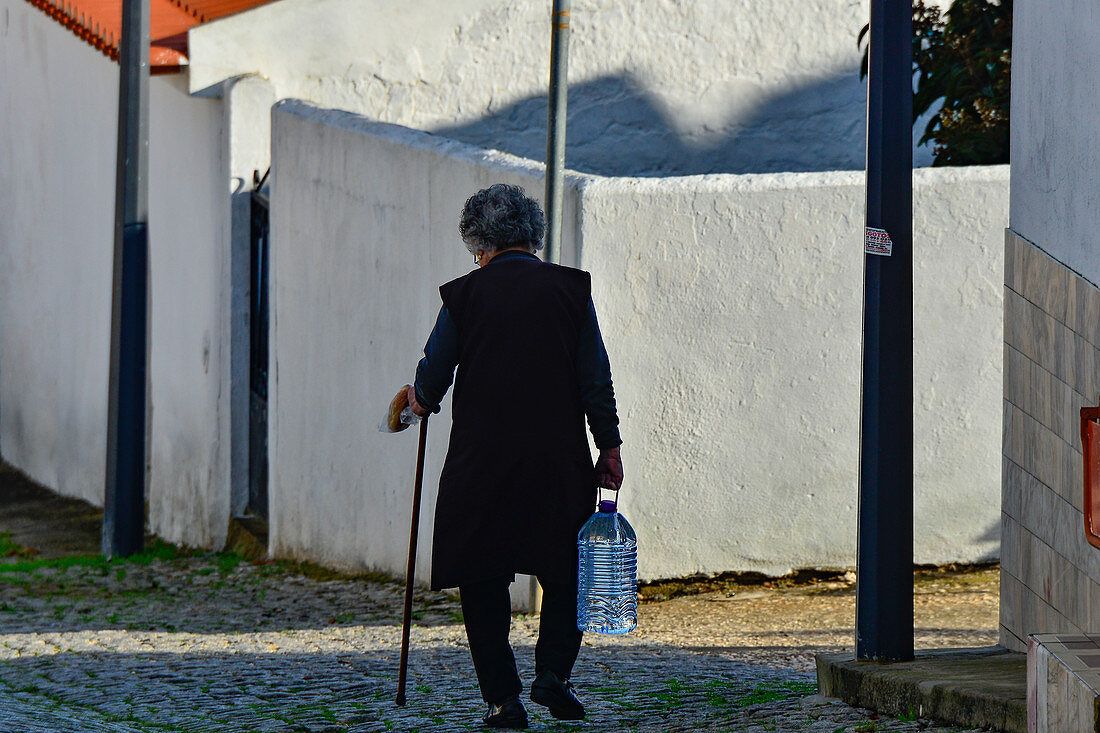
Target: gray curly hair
[500, 217]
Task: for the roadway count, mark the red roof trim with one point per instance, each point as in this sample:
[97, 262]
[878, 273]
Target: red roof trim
[84, 29]
[99, 24]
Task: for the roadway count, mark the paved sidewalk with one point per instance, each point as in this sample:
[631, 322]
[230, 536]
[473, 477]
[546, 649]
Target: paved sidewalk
[171, 641]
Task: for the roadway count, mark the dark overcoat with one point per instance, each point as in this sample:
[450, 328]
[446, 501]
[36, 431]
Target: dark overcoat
[518, 480]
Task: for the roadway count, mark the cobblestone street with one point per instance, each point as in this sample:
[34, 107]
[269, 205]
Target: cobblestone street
[205, 643]
[176, 641]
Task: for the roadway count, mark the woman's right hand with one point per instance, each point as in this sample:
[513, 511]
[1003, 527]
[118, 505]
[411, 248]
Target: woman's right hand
[609, 469]
[416, 408]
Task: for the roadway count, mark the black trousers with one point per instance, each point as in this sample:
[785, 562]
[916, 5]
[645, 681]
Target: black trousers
[487, 612]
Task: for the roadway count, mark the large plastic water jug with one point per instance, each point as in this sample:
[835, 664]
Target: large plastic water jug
[607, 578]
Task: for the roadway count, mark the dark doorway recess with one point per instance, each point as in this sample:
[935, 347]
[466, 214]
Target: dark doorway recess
[258, 324]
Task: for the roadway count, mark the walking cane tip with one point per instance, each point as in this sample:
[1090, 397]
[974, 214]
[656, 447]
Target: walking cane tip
[400, 701]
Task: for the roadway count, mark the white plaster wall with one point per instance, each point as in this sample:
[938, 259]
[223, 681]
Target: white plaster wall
[1055, 122]
[959, 216]
[657, 87]
[731, 306]
[189, 485]
[57, 162]
[364, 226]
[732, 309]
[58, 107]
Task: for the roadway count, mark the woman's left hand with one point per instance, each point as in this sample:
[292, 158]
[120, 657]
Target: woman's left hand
[609, 469]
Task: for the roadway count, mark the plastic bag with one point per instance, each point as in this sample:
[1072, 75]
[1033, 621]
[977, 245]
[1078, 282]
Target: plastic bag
[399, 415]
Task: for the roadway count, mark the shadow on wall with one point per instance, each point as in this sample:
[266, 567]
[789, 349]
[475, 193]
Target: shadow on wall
[618, 128]
[993, 534]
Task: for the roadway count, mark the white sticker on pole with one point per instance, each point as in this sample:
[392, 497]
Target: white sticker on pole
[877, 242]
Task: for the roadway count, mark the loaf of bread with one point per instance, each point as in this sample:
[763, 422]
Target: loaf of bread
[392, 422]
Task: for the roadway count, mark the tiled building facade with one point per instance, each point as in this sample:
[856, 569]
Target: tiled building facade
[1050, 575]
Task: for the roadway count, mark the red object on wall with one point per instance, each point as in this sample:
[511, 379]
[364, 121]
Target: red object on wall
[1090, 449]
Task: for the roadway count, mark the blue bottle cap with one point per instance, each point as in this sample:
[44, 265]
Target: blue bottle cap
[607, 506]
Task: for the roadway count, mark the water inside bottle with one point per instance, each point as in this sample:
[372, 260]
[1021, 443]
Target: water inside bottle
[607, 598]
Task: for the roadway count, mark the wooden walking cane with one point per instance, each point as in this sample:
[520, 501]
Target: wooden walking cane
[404, 666]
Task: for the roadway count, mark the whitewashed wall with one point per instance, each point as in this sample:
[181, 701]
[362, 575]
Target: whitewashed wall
[658, 87]
[189, 354]
[732, 311]
[58, 107]
[364, 228]
[1055, 120]
[731, 306]
[57, 158]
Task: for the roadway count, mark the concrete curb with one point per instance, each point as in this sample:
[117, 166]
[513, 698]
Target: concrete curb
[984, 687]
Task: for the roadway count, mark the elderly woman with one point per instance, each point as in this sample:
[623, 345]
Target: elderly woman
[519, 480]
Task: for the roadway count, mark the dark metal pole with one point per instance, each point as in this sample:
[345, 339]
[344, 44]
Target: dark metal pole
[884, 593]
[124, 496]
[555, 126]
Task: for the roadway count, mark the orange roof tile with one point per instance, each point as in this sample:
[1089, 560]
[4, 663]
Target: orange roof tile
[99, 23]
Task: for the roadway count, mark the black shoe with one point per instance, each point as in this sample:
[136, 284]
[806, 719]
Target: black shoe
[507, 714]
[557, 694]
